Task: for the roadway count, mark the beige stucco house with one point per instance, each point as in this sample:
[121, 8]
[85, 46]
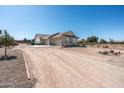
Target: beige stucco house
[59, 39]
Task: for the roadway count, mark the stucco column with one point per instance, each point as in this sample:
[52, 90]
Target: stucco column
[67, 40]
[48, 42]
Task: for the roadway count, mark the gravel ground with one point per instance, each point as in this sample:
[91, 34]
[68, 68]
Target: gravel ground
[73, 67]
[13, 72]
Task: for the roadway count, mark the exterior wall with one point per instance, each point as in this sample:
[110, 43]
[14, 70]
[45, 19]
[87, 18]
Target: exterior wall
[76, 41]
[44, 42]
[69, 41]
[56, 41]
[37, 40]
[66, 41]
[59, 41]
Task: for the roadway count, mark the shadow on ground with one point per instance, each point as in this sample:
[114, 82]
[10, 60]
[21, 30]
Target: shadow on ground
[3, 58]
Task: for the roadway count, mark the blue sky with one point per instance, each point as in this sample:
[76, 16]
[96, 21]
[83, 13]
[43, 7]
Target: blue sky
[25, 21]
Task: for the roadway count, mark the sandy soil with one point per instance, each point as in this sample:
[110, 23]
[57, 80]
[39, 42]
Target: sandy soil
[13, 72]
[111, 46]
[74, 67]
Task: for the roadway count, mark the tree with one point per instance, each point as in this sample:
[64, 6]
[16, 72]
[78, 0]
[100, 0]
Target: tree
[93, 39]
[0, 31]
[102, 41]
[0, 38]
[6, 40]
[25, 40]
[111, 41]
[29, 41]
[32, 42]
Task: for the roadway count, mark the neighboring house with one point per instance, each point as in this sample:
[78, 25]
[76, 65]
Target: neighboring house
[59, 39]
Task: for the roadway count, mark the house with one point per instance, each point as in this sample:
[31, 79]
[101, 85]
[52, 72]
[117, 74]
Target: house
[59, 39]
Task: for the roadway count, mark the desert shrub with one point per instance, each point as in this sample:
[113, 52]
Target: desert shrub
[119, 53]
[82, 42]
[111, 51]
[116, 53]
[100, 52]
[104, 52]
[106, 47]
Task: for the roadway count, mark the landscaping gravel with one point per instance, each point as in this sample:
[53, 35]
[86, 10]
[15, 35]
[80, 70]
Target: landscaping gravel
[12, 71]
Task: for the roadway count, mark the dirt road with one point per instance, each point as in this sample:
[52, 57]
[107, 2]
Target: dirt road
[56, 67]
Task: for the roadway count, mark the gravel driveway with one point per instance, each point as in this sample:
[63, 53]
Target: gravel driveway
[57, 67]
